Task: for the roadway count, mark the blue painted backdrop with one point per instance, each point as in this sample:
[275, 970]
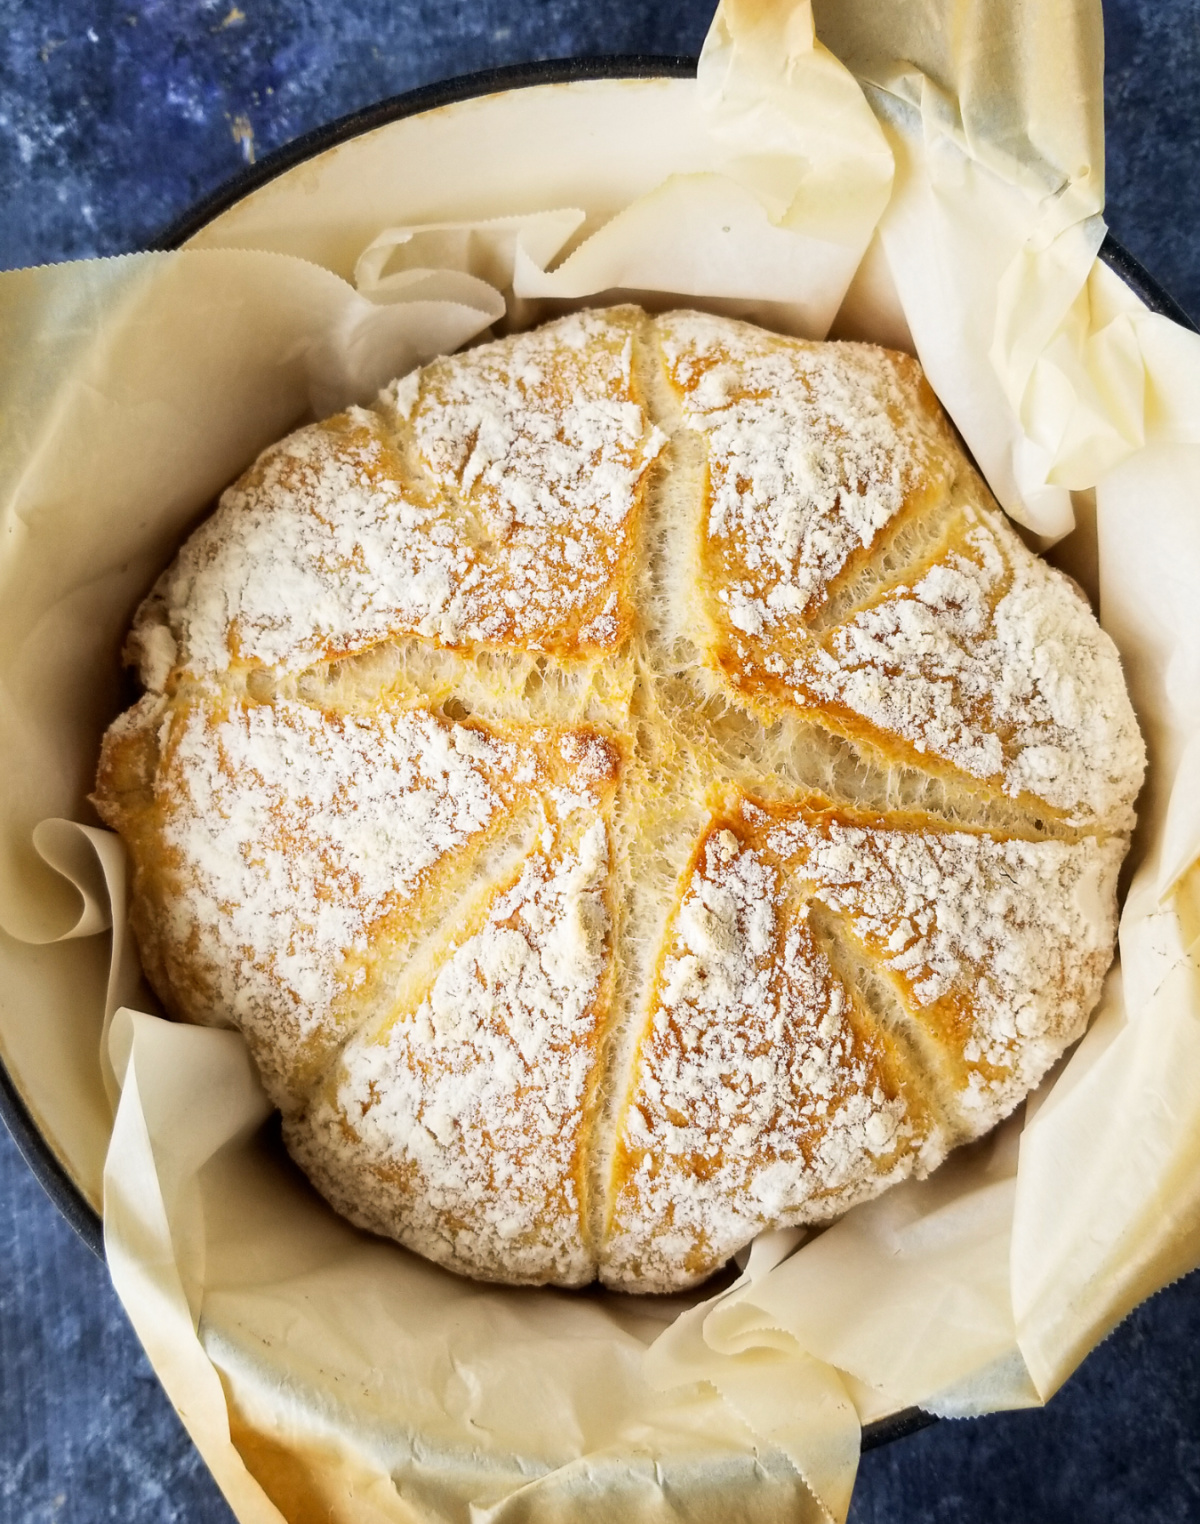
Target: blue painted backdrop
[114, 117]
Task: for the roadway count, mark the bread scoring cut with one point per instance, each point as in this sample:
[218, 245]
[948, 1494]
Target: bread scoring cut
[632, 788]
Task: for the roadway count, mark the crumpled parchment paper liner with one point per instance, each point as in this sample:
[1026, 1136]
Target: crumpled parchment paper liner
[800, 172]
[767, 1376]
[462, 1398]
[330, 1372]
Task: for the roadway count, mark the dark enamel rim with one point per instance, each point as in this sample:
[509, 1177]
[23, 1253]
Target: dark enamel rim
[58, 1185]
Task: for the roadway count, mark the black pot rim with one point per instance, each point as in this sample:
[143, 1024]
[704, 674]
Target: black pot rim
[37, 1153]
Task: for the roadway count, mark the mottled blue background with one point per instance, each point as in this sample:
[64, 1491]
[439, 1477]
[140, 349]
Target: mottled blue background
[113, 119]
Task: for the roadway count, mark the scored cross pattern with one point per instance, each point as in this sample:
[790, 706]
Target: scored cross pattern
[632, 788]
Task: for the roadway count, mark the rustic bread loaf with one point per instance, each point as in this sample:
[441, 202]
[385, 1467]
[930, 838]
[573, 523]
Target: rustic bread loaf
[632, 788]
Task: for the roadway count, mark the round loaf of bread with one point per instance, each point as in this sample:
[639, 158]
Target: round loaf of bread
[632, 788]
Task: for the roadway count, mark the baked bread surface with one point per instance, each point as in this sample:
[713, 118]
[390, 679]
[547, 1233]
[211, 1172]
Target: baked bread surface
[632, 788]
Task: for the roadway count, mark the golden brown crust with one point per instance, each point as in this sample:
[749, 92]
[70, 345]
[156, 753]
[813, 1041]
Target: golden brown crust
[764, 1092]
[487, 1070]
[631, 789]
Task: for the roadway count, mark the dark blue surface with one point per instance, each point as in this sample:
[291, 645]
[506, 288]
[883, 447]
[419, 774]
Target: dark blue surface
[113, 119]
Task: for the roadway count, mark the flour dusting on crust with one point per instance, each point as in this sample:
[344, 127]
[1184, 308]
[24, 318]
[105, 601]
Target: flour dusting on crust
[996, 947]
[994, 663]
[812, 450]
[758, 1098]
[462, 1122]
[543, 436]
[317, 551]
[536, 449]
[300, 832]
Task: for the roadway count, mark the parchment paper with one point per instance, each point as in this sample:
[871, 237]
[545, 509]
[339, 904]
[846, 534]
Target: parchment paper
[949, 203]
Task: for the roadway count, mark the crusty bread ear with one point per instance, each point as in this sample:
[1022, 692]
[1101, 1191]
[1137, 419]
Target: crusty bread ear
[631, 788]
